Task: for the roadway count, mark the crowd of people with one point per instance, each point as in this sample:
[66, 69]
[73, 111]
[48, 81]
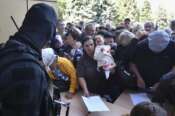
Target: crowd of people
[47, 54]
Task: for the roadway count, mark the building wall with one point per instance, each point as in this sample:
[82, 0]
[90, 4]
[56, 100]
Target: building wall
[17, 9]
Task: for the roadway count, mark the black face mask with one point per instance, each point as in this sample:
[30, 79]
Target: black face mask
[39, 24]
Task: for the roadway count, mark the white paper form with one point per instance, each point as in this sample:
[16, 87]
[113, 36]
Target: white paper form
[139, 97]
[95, 104]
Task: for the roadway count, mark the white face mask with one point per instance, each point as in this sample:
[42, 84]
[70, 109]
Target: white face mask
[158, 41]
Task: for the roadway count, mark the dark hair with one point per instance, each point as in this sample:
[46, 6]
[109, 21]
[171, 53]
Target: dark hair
[121, 27]
[106, 34]
[86, 38]
[102, 28]
[127, 19]
[69, 24]
[148, 109]
[74, 33]
[172, 25]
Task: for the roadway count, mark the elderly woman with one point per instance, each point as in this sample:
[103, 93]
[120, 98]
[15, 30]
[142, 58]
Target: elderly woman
[126, 45]
[92, 80]
[60, 70]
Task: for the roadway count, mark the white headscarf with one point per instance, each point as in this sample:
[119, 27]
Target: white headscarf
[158, 41]
[48, 56]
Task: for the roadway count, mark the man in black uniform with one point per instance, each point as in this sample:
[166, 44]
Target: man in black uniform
[154, 59]
[23, 81]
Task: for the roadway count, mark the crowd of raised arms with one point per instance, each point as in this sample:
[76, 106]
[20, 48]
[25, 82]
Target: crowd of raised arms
[95, 59]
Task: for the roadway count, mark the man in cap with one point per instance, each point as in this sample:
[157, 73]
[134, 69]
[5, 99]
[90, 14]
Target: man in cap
[153, 59]
[23, 81]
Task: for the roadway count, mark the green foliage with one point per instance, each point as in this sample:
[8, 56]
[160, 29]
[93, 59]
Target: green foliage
[145, 14]
[103, 11]
[127, 9]
[61, 5]
[88, 10]
[162, 18]
[77, 10]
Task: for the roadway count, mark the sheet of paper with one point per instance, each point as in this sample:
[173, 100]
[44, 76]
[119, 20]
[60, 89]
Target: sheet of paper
[139, 97]
[95, 104]
[107, 73]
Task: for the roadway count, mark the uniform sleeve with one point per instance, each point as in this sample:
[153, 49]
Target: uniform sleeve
[67, 68]
[25, 84]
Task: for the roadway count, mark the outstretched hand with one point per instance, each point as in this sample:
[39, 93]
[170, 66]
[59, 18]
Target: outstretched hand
[141, 83]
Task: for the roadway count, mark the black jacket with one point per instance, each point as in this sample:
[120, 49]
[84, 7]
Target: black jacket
[23, 81]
